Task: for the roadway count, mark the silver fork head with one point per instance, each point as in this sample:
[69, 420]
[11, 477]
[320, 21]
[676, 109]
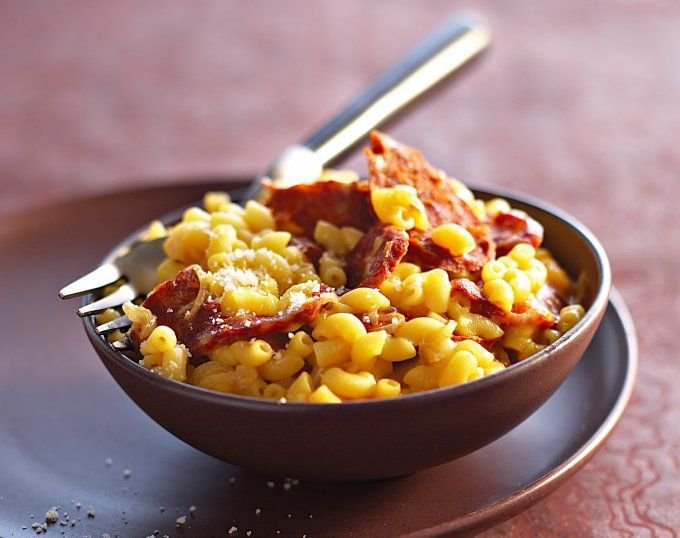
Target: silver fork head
[138, 266]
[102, 276]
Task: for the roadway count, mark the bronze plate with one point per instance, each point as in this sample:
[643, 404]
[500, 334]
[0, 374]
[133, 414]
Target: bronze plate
[62, 416]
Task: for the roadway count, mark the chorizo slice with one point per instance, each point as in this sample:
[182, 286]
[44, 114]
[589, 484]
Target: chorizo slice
[391, 163]
[532, 312]
[297, 209]
[375, 256]
[424, 252]
[173, 303]
[511, 227]
[551, 299]
[311, 249]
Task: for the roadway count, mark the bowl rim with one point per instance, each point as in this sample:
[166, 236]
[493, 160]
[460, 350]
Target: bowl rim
[593, 312]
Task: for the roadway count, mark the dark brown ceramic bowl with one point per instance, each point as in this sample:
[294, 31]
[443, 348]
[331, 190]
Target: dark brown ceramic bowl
[369, 440]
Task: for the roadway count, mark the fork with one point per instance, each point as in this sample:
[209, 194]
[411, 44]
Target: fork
[447, 50]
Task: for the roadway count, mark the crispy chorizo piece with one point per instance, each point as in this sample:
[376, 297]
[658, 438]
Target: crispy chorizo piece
[425, 253]
[391, 163]
[298, 208]
[551, 299]
[375, 256]
[208, 327]
[311, 249]
[512, 227]
[484, 342]
[531, 312]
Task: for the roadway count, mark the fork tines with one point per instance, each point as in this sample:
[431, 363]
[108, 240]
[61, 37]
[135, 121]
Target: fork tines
[122, 323]
[119, 297]
[100, 277]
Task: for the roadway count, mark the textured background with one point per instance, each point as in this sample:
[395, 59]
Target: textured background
[578, 103]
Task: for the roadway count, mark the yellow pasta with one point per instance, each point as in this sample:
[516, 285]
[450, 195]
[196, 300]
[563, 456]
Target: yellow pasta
[162, 339]
[387, 388]
[367, 348]
[283, 365]
[195, 214]
[251, 352]
[224, 355]
[331, 271]
[400, 206]
[497, 205]
[274, 391]
[332, 352]
[301, 388]
[436, 290]
[302, 344]
[174, 363]
[214, 376]
[569, 316]
[342, 325]
[365, 300]
[421, 327]
[214, 201]
[248, 300]
[348, 385]
[323, 395]
[156, 230]
[258, 217]
[455, 238]
[500, 293]
[419, 330]
[397, 349]
[188, 241]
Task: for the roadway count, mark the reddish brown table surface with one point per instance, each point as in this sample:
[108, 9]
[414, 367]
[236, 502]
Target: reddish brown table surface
[578, 103]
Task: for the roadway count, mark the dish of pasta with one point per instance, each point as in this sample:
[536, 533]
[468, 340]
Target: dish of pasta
[350, 289]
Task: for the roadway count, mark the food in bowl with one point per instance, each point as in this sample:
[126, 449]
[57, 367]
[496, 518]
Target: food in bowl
[345, 289]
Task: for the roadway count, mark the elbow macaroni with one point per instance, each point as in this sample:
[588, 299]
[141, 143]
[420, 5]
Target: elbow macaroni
[400, 206]
[412, 333]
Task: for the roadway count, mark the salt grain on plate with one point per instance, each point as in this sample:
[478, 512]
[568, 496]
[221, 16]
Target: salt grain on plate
[108, 462]
[90, 512]
[52, 515]
[233, 530]
[127, 473]
[270, 484]
[181, 520]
